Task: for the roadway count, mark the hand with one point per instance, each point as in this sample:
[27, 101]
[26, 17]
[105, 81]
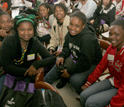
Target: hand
[40, 70]
[92, 21]
[51, 51]
[65, 73]
[3, 33]
[56, 53]
[31, 71]
[83, 87]
[60, 60]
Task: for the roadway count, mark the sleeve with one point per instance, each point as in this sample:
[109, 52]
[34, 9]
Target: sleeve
[6, 54]
[53, 41]
[90, 10]
[112, 15]
[100, 68]
[47, 58]
[118, 99]
[68, 3]
[5, 5]
[65, 51]
[96, 13]
[86, 58]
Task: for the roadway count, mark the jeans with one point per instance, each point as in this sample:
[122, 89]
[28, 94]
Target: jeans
[76, 80]
[98, 94]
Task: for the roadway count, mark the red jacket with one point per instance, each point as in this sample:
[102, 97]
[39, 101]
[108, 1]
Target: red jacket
[115, 64]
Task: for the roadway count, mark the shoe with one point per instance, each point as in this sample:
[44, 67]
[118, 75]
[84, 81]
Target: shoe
[61, 84]
[78, 98]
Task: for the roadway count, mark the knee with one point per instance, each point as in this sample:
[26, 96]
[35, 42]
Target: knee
[83, 98]
[90, 103]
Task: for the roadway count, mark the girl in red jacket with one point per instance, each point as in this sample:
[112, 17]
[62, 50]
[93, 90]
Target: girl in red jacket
[109, 92]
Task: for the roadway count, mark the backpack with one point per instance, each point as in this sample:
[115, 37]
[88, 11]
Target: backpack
[47, 98]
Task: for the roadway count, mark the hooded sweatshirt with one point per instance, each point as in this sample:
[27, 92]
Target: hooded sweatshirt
[85, 49]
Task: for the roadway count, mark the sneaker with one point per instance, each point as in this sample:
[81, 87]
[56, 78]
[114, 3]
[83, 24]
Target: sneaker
[62, 83]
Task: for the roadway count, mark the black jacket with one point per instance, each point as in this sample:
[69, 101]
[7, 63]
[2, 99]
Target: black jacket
[11, 49]
[107, 15]
[85, 49]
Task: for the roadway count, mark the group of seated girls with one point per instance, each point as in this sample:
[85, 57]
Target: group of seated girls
[70, 36]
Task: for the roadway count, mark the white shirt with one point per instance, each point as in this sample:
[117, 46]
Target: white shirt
[88, 8]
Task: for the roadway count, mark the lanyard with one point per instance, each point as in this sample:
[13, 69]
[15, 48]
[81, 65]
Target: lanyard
[60, 34]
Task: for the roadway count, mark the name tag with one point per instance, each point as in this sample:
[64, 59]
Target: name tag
[59, 48]
[30, 57]
[110, 57]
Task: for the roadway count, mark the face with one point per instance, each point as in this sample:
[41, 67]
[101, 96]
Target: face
[106, 2]
[5, 23]
[59, 13]
[75, 26]
[83, 2]
[25, 31]
[116, 36]
[43, 11]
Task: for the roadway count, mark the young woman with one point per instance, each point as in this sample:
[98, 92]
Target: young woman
[5, 26]
[59, 28]
[104, 15]
[82, 44]
[45, 22]
[19, 51]
[111, 90]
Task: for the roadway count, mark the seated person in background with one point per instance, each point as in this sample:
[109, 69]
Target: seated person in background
[45, 22]
[87, 7]
[104, 15]
[5, 25]
[19, 51]
[6, 5]
[82, 44]
[119, 8]
[109, 92]
[59, 29]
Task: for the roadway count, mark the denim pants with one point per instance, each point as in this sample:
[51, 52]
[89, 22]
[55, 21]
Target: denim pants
[76, 80]
[98, 94]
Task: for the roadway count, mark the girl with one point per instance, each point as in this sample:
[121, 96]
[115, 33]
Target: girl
[111, 90]
[59, 30]
[104, 15]
[82, 45]
[19, 51]
[5, 26]
[44, 25]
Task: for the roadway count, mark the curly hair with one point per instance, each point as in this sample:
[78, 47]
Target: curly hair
[46, 5]
[60, 5]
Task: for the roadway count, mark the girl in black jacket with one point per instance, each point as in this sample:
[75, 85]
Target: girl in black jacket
[104, 14]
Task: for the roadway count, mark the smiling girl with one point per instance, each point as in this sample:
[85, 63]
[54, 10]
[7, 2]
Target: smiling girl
[111, 90]
[45, 22]
[82, 45]
[5, 26]
[19, 51]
